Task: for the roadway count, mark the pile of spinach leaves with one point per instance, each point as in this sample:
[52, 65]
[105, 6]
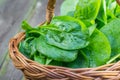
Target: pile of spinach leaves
[85, 35]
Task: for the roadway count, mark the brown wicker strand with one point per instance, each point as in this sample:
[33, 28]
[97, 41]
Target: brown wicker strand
[50, 10]
[118, 1]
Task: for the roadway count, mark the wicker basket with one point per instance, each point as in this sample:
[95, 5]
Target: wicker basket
[35, 71]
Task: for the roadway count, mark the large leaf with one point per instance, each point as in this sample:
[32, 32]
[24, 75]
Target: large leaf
[87, 9]
[99, 50]
[95, 54]
[70, 33]
[54, 52]
[68, 6]
[112, 32]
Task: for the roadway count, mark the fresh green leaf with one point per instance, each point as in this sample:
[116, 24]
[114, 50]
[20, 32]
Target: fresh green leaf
[68, 7]
[87, 9]
[112, 31]
[32, 48]
[24, 47]
[98, 51]
[112, 6]
[40, 58]
[71, 34]
[117, 11]
[108, 2]
[48, 61]
[102, 15]
[111, 11]
[100, 24]
[91, 29]
[54, 52]
[80, 62]
[26, 26]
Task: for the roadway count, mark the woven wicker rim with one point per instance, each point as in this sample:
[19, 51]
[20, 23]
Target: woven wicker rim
[35, 71]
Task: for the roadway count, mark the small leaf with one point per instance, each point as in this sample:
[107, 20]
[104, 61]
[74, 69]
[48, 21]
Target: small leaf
[91, 29]
[24, 47]
[102, 15]
[117, 11]
[110, 11]
[26, 26]
[48, 60]
[40, 58]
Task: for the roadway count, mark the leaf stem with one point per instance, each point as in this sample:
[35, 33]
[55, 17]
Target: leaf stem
[114, 58]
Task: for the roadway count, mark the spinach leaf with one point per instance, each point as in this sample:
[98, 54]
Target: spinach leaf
[71, 13]
[32, 47]
[54, 52]
[24, 47]
[112, 31]
[108, 2]
[48, 61]
[102, 15]
[100, 24]
[87, 9]
[26, 26]
[68, 7]
[40, 58]
[112, 6]
[117, 11]
[23, 50]
[80, 62]
[91, 29]
[70, 33]
[98, 51]
[110, 11]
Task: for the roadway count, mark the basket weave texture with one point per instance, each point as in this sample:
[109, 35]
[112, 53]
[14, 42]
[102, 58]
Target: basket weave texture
[35, 71]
